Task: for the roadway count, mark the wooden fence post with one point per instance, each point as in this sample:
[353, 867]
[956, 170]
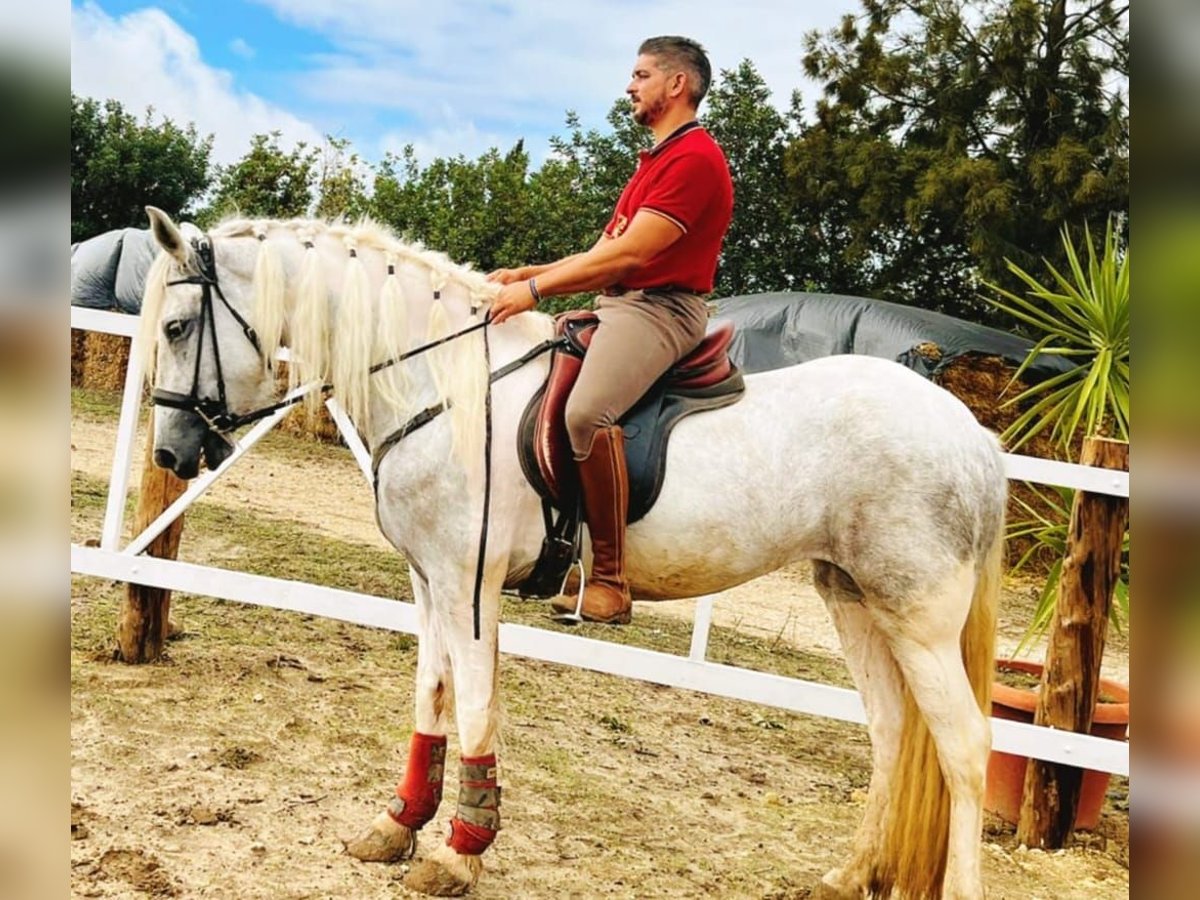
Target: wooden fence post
[145, 616]
[1070, 681]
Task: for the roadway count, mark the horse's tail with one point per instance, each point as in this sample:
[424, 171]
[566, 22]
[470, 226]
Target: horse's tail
[913, 859]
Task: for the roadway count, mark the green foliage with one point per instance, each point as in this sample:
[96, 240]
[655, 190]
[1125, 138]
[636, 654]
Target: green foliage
[765, 249]
[120, 164]
[953, 136]
[341, 189]
[473, 210]
[1047, 523]
[265, 182]
[1083, 316]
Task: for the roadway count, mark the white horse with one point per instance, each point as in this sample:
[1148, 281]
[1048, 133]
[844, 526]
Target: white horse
[884, 480]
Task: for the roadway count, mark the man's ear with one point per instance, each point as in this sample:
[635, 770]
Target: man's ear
[678, 83]
[167, 234]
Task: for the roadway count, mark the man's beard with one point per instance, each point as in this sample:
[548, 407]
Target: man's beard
[649, 114]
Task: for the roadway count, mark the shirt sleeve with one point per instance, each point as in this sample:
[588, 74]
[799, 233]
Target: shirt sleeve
[683, 190]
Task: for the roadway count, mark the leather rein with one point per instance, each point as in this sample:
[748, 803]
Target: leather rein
[216, 415]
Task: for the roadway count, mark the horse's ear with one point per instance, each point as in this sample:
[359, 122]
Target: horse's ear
[167, 234]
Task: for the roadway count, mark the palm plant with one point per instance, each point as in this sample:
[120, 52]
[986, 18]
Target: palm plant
[1047, 527]
[1084, 317]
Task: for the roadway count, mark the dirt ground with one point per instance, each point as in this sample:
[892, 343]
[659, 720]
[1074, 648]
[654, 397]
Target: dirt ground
[235, 767]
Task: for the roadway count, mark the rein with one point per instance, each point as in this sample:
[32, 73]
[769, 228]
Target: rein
[216, 414]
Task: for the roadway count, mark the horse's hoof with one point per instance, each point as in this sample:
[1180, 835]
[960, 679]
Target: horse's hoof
[385, 841]
[833, 887]
[445, 873]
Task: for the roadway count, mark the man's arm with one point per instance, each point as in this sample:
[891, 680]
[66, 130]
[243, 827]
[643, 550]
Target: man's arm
[609, 260]
[524, 273]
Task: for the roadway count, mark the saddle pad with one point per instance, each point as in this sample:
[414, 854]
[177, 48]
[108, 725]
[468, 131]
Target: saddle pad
[647, 429]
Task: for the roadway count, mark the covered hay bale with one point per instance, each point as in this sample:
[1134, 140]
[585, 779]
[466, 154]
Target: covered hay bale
[982, 383]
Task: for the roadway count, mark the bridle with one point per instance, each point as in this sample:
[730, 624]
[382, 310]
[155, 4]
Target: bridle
[214, 411]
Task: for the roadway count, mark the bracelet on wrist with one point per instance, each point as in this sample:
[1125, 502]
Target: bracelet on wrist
[533, 290]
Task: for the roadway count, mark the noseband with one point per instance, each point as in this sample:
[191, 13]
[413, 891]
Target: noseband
[214, 412]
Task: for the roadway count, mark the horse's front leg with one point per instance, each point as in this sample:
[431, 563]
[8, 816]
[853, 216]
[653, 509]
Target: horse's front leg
[393, 833]
[454, 867]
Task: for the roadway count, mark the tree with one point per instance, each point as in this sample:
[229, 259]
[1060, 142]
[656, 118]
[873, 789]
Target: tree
[953, 136]
[473, 210]
[602, 162]
[341, 190]
[765, 247]
[265, 182]
[120, 164]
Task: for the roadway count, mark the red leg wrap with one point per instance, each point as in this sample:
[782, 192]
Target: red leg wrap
[477, 820]
[467, 838]
[418, 796]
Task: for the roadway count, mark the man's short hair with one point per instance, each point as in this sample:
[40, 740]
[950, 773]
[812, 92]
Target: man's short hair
[674, 53]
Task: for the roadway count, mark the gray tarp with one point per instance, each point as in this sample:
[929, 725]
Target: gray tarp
[109, 271]
[777, 330]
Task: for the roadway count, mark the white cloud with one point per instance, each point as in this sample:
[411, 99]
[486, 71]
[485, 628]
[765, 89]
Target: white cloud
[447, 137]
[519, 66]
[145, 59]
[241, 48]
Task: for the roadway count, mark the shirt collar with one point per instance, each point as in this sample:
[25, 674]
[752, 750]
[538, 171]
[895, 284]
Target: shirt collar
[673, 136]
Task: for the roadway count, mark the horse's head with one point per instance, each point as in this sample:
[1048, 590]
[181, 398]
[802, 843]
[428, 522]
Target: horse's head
[208, 365]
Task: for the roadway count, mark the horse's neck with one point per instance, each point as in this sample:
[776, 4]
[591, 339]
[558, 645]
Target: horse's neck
[421, 282]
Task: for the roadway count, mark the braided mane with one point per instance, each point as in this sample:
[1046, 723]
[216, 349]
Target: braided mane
[392, 295]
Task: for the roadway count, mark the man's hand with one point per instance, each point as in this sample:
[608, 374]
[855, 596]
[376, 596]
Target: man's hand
[504, 276]
[515, 297]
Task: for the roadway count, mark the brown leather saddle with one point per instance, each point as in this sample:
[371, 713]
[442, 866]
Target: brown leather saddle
[705, 379]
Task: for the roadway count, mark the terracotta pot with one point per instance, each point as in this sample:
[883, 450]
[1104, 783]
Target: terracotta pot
[1006, 771]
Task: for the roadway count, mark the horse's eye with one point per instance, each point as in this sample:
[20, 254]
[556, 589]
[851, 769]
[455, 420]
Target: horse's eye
[176, 328]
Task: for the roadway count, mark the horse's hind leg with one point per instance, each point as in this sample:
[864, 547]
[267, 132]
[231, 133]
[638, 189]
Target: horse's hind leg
[454, 867]
[926, 642]
[393, 833]
[878, 681]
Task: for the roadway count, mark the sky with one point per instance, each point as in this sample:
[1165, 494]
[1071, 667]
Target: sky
[449, 78]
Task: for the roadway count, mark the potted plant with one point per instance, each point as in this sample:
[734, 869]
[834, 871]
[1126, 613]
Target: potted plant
[1006, 771]
[1083, 316]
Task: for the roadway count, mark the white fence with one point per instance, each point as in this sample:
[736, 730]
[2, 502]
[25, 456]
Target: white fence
[692, 672]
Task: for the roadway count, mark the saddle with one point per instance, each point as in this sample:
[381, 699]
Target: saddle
[703, 380]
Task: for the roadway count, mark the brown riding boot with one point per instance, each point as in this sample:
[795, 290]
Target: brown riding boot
[604, 482]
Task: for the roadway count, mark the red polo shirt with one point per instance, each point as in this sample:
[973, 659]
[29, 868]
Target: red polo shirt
[684, 179]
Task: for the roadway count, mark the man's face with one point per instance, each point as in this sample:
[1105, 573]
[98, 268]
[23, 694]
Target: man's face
[649, 90]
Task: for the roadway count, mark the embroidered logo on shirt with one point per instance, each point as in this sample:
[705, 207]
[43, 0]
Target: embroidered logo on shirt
[619, 227]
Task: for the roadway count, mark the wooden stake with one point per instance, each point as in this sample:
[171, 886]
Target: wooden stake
[145, 616]
[1070, 681]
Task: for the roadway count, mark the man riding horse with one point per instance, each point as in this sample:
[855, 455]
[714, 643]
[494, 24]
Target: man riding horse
[653, 261]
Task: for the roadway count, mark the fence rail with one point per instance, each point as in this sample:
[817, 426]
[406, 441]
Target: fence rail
[691, 672]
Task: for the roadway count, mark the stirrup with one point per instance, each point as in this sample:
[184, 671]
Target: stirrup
[572, 618]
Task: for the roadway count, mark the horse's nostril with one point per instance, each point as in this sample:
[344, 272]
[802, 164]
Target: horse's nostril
[164, 459]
